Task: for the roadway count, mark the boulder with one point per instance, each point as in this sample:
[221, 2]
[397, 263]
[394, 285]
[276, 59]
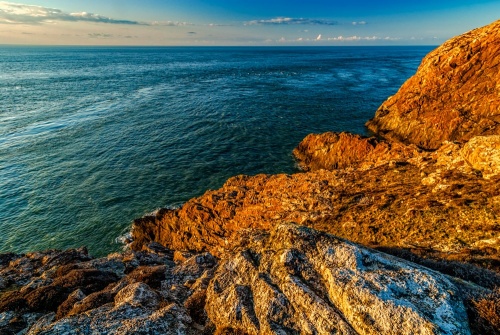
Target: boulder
[137, 294]
[301, 281]
[344, 150]
[483, 154]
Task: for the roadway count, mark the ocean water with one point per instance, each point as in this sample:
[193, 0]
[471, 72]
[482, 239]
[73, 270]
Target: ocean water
[91, 138]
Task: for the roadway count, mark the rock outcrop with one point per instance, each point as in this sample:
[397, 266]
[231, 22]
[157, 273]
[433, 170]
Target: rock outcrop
[483, 154]
[290, 280]
[68, 292]
[454, 96]
[381, 193]
[300, 281]
[428, 192]
[332, 151]
[435, 203]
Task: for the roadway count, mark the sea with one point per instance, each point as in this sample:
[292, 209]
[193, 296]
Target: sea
[93, 137]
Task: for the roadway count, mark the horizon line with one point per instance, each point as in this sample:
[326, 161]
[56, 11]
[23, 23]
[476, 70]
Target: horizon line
[214, 46]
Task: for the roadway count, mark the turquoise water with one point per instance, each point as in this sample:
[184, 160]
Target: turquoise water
[91, 138]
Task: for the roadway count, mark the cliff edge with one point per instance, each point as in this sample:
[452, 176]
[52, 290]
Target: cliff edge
[454, 95]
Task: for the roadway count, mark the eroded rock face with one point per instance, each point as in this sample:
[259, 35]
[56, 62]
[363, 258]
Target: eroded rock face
[343, 150]
[300, 281]
[289, 280]
[454, 95]
[332, 151]
[483, 154]
[436, 203]
[68, 292]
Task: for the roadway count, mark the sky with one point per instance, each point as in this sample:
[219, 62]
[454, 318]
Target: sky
[237, 22]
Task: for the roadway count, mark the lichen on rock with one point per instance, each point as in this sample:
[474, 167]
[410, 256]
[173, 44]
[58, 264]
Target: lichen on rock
[303, 281]
[454, 95]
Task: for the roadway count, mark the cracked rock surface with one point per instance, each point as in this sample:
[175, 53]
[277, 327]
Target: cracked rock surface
[454, 96]
[290, 280]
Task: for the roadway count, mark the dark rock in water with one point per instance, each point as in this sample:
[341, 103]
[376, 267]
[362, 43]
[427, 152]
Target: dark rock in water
[454, 95]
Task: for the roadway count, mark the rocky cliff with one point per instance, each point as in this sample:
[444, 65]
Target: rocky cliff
[432, 201]
[428, 192]
[454, 95]
[295, 254]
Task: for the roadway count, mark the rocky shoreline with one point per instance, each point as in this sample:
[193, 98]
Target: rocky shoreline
[394, 234]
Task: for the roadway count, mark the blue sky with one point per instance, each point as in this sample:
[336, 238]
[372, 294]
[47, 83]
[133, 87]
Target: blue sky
[226, 22]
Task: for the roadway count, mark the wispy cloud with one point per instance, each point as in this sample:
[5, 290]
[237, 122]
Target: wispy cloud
[168, 23]
[98, 35]
[362, 38]
[358, 23]
[16, 13]
[104, 36]
[219, 25]
[290, 20]
[322, 39]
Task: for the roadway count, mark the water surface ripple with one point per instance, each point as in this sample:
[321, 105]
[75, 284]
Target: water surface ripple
[91, 138]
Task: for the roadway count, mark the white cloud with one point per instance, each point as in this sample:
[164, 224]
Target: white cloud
[100, 35]
[289, 20]
[321, 38]
[361, 38]
[219, 25]
[169, 23]
[16, 13]
[356, 23]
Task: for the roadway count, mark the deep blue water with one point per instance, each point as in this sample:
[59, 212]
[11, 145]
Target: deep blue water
[91, 138]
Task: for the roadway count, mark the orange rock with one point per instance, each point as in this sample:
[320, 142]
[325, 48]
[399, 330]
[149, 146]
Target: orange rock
[483, 154]
[380, 193]
[454, 95]
[339, 151]
[402, 205]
